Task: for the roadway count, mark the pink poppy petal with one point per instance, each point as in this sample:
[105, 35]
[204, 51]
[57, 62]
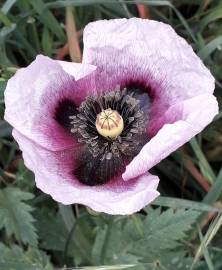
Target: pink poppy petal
[147, 53]
[152, 55]
[78, 71]
[52, 175]
[195, 114]
[32, 94]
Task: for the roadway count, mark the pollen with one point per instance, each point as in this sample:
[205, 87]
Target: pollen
[109, 123]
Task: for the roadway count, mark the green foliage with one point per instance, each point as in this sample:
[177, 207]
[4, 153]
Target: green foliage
[16, 258]
[163, 231]
[15, 215]
[141, 240]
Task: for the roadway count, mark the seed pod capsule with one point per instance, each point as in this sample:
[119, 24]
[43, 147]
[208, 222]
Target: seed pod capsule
[109, 123]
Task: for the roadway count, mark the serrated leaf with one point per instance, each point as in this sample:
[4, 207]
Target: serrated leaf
[162, 231]
[15, 215]
[173, 261]
[149, 239]
[16, 258]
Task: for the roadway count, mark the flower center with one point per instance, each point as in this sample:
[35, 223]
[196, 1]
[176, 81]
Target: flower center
[109, 123]
[112, 129]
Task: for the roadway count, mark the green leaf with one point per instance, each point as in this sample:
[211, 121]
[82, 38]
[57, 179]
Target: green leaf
[144, 239]
[162, 231]
[15, 215]
[15, 258]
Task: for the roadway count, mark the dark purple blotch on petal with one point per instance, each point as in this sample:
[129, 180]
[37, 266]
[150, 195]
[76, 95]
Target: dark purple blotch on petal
[141, 92]
[102, 159]
[94, 171]
[106, 158]
[63, 111]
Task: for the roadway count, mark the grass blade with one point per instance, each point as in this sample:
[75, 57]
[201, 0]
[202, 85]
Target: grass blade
[181, 203]
[204, 165]
[74, 49]
[213, 195]
[208, 237]
[48, 18]
[210, 47]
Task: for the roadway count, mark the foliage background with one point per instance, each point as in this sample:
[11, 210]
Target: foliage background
[181, 229]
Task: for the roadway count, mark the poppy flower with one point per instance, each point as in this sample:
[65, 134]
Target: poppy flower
[90, 132]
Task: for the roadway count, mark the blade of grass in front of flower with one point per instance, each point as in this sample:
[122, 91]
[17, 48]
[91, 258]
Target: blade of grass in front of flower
[187, 204]
[204, 165]
[213, 229]
[206, 254]
[73, 43]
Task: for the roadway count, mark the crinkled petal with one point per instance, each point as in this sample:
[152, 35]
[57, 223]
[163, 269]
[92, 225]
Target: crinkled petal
[78, 71]
[53, 175]
[150, 54]
[137, 49]
[33, 93]
[195, 114]
[147, 53]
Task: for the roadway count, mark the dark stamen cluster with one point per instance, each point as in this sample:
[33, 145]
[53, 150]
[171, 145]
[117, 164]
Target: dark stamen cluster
[108, 155]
